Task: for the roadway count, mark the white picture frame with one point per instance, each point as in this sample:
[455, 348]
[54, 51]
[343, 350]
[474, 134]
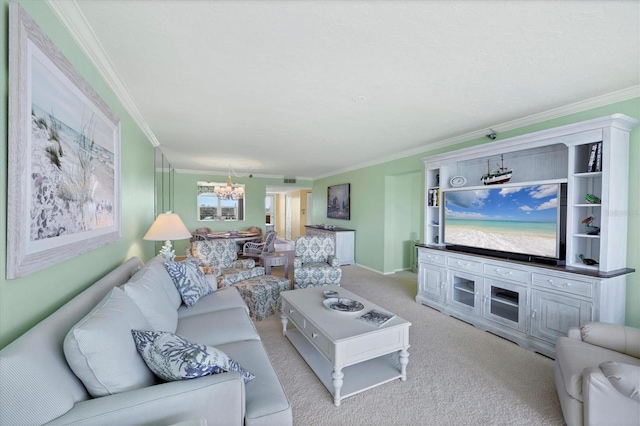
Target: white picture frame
[64, 156]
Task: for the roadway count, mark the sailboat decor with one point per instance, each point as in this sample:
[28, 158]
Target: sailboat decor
[500, 175]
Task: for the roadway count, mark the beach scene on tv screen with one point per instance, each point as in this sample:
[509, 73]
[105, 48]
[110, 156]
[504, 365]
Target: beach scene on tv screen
[517, 219]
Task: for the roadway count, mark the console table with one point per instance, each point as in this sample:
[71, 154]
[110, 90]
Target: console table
[344, 240]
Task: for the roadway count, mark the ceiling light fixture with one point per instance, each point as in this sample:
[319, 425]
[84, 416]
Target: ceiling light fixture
[229, 192]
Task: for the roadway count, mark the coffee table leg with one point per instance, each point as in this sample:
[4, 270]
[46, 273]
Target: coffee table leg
[267, 267]
[404, 360]
[337, 376]
[285, 320]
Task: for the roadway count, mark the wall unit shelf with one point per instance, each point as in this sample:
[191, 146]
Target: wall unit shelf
[532, 304]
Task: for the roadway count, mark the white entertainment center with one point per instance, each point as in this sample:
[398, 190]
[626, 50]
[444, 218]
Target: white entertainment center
[527, 302]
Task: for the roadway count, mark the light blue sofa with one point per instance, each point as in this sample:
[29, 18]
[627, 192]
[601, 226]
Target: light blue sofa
[37, 385]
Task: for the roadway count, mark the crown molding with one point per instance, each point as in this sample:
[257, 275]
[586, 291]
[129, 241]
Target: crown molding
[235, 175]
[69, 13]
[598, 101]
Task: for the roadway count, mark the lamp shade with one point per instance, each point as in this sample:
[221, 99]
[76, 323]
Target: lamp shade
[167, 226]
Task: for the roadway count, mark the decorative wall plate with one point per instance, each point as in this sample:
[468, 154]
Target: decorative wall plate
[458, 181]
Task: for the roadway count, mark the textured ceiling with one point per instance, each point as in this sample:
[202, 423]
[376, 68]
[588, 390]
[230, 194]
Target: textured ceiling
[311, 88]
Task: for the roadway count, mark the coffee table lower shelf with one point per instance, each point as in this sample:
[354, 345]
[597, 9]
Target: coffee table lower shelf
[357, 377]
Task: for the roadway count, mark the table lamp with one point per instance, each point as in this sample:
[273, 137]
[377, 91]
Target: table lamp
[167, 227]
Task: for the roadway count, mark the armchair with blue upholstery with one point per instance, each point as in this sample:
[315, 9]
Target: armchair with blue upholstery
[220, 257]
[315, 263]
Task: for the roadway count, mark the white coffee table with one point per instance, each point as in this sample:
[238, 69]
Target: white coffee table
[347, 355]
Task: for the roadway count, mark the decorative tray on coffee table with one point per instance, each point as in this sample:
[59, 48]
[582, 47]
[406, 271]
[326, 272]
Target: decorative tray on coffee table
[340, 304]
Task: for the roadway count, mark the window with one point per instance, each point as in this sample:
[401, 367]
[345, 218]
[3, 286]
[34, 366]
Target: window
[211, 206]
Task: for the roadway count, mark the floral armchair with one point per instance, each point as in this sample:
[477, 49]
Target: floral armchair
[220, 258]
[315, 263]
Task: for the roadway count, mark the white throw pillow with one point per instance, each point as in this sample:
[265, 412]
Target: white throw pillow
[159, 271]
[624, 377]
[100, 351]
[172, 357]
[148, 294]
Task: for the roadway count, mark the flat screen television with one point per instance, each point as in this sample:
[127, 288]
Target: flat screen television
[521, 222]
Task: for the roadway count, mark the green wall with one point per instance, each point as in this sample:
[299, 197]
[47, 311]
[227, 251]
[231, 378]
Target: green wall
[25, 301]
[185, 195]
[386, 215]
[386, 201]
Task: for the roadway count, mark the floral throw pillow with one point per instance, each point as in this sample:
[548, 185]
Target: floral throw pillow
[189, 280]
[172, 357]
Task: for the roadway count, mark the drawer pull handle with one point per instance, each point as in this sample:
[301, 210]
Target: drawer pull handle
[314, 335]
[499, 272]
[466, 265]
[565, 285]
[432, 257]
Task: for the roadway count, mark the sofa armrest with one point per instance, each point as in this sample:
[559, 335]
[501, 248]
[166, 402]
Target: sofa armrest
[297, 262]
[616, 337]
[219, 399]
[603, 403]
[333, 261]
[574, 333]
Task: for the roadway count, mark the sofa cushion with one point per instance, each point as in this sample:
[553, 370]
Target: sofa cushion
[216, 328]
[189, 280]
[172, 357]
[224, 298]
[266, 403]
[624, 377]
[100, 351]
[573, 356]
[158, 269]
[148, 294]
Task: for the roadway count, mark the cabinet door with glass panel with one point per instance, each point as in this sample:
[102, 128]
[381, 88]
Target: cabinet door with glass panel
[505, 303]
[465, 290]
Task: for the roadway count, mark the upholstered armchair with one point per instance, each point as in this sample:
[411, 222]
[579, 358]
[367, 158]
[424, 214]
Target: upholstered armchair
[597, 374]
[315, 263]
[252, 249]
[220, 257]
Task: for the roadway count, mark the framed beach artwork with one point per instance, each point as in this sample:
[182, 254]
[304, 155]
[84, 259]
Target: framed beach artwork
[338, 202]
[64, 156]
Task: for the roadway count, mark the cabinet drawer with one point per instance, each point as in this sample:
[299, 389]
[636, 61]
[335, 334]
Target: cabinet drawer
[295, 317]
[431, 257]
[318, 339]
[464, 264]
[510, 274]
[581, 288]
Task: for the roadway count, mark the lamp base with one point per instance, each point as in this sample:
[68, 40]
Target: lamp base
[167, 251]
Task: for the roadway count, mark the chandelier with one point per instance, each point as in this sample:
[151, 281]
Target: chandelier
[229, 192]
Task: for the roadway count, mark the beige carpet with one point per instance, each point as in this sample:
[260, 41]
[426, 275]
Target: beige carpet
[457, 374]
